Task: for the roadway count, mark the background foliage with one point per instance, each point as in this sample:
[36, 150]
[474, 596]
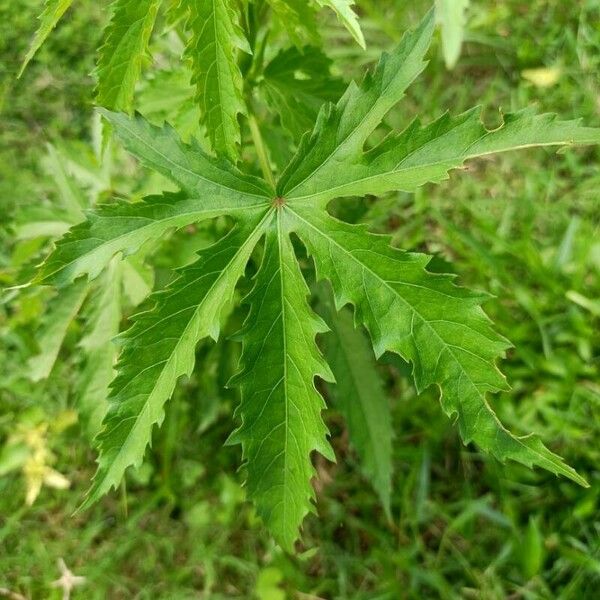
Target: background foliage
[520, 227]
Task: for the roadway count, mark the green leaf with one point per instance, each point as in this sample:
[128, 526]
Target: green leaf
[213, 188]
[451, 15]
[421, 155]
[120, 57]
[138, 279]
[51, 15]
[414, 157]
[296, 83]
[35, 223]
[50, 220]
[170, 95]
[160, 347]
[358, 393]
[102, 325]
[280, 411]
[194, 171]
[346, 16]
[438, 327]
[341, 130]
[70, 194]
[298, 19]
[62, 309]
[215, 40]
[125, 227]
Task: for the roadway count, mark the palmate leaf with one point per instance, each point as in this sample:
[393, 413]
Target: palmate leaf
[213, 48]
[120, 57]
[437, 326]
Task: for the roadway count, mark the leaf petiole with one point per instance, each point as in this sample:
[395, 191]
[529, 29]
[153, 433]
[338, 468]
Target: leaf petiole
[261, 151]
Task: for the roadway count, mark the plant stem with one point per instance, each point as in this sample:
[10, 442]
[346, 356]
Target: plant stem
[261, 150]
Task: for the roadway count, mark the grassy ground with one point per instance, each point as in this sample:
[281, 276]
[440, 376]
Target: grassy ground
[523, 227]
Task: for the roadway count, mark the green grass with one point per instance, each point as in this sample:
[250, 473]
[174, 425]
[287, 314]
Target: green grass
[522, 227]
